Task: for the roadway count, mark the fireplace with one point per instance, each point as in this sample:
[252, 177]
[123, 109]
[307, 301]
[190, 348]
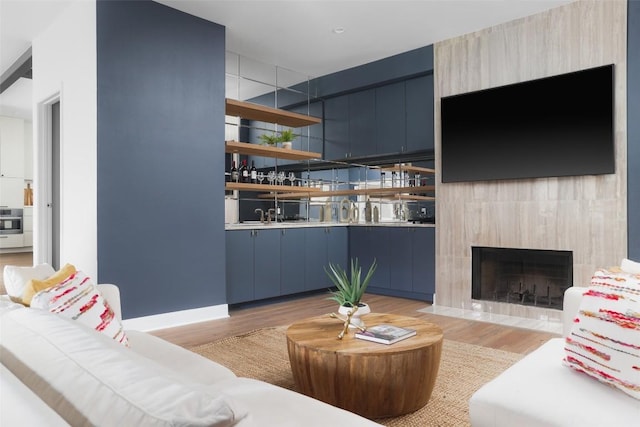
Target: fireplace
[521, 276]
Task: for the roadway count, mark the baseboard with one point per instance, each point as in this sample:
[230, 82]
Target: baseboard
[177, 318]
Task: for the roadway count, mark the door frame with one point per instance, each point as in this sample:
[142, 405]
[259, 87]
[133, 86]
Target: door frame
[43, 197]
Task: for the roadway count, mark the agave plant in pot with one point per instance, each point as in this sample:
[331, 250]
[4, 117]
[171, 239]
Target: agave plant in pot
[350, 289]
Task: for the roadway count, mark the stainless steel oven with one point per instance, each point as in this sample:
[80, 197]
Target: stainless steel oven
[11, 221]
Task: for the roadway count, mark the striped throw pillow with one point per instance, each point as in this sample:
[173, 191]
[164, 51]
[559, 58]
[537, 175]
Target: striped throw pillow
[604, 342]
[79, 299]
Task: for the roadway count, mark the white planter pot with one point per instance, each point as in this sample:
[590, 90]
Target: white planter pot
[356, 318]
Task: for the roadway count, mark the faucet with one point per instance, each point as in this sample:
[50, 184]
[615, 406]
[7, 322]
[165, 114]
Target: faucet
[261, 214]
[270, 214]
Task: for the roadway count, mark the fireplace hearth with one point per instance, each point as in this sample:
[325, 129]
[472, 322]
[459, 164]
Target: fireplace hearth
[530, 277]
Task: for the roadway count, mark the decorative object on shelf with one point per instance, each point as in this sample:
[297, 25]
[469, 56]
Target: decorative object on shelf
[350, 289]
[28, 195]
[367, 211]
[349, 211]
[285, 137]
[376, 215]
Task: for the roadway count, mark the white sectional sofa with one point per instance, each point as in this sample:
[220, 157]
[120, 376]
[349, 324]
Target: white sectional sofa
[538, 391]
[58, 372]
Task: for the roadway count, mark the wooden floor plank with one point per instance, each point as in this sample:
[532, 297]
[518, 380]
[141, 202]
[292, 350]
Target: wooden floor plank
[247, 318]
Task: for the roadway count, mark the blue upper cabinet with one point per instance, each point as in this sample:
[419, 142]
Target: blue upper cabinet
[390, 120]
[362, 117]
[336, 128]
[396, 118]
[419, 113]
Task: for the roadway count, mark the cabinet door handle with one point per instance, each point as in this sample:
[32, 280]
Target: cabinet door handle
[4, 237]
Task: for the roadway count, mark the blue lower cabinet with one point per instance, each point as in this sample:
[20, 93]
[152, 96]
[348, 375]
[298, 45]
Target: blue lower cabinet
[405, 257]
[239, 262]
[292, 265]
[267, 263]
[266, 274]
[400, 258]
[424, 261]
[315, 258]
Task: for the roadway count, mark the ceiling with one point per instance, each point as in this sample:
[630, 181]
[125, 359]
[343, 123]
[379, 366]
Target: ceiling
[297, 35]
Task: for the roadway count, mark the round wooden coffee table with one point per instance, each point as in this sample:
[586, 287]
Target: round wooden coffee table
[370, 379]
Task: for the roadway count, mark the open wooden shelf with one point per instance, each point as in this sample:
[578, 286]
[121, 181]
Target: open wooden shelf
[406, 167]
[269, 151]
[395, 192]
[251, 111]
[241, 186]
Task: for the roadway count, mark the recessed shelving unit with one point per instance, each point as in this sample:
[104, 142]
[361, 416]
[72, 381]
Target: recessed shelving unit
[251, 111]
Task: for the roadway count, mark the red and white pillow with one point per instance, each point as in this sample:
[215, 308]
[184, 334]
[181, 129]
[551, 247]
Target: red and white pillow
[604, 342]
[77, 298]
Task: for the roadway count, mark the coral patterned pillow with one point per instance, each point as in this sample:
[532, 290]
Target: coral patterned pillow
[79, 299]
[604, 342]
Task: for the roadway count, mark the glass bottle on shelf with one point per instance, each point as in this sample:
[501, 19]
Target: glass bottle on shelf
[253, 173]
[234, 171]
[244, 172]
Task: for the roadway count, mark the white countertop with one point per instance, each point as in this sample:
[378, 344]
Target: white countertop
[255, 225]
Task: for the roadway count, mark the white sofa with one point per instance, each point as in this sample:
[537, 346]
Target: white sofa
[57, 372]
[539, 391]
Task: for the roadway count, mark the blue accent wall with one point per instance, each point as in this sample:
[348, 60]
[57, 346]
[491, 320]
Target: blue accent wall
[633, 129]
[160, 157]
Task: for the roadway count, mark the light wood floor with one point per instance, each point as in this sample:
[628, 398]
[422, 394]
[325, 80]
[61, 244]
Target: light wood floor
[245, 319]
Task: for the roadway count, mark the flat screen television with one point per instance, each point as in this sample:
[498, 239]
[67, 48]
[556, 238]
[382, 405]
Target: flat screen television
[550, 127]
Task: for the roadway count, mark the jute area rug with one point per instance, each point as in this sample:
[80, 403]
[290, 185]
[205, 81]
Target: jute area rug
[464, 368]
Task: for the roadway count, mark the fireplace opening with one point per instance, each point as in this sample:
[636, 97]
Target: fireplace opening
[521, 276]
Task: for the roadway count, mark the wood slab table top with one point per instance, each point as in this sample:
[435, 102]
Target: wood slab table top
[372, 379]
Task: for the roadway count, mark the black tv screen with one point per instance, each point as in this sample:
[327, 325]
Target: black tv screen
[549, 127]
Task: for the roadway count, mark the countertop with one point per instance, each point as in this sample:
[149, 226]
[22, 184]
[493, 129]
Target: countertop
[256, 225]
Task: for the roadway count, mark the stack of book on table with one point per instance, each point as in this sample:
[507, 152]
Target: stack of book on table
[385, 334]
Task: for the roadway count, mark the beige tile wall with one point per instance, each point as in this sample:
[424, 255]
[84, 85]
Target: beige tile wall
[586, 215]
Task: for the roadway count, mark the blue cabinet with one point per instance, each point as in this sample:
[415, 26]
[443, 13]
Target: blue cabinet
[362, 118]
[266, 264]
[315, 258]
[400, 258]
[367, 244]
[424, 261]
[336, 128]
[405, 256]
[419, 108]
[292, 265]
[324, 245]
[239, 263]
[390, 121]
[253, 265]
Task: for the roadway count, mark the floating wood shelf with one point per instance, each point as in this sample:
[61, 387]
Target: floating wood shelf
[241, 186]
[396, 192]
[398, 167]
[251, 111]
[269, 151]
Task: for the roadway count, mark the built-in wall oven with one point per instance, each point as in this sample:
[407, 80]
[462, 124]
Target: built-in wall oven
[11, 221]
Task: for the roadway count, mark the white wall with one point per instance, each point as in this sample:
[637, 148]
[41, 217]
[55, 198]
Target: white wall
[64, 64]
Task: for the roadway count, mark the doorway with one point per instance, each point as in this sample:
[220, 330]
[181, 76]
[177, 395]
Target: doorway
[48, 183]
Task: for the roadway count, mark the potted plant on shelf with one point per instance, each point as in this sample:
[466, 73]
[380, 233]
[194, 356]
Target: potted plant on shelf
[285, 137]
[350, 289]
